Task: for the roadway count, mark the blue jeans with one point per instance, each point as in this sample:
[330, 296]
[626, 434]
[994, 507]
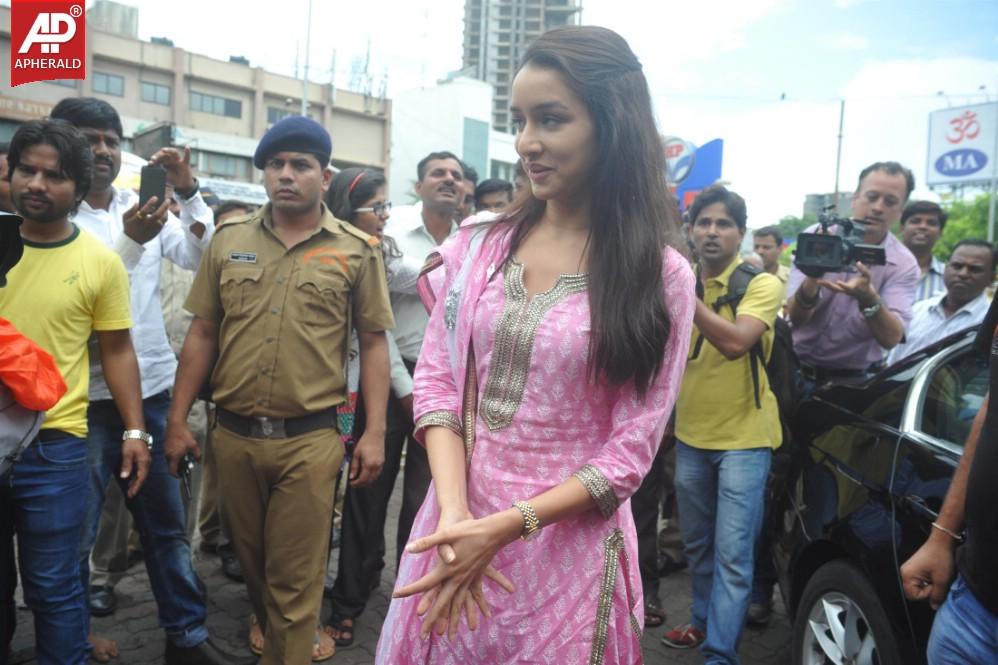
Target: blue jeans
[963, 632]
[42, 501]
[721, 495]
[159, 518]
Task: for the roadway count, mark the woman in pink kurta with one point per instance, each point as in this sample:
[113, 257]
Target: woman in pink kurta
[511, 409]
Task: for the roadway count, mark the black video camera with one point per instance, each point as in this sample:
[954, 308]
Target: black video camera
[818, 253]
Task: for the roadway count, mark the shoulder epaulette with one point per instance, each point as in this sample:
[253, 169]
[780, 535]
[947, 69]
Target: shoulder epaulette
[360, 235]
[236, 221]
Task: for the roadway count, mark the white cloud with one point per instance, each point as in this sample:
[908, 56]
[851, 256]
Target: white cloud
[665, 36]
[846, 4]
[845, 41]
[776, 153]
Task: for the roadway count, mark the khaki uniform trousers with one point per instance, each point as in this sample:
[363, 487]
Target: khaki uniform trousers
[278, 497]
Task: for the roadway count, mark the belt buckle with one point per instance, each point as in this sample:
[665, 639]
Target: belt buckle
[808, 372]
[269, 428]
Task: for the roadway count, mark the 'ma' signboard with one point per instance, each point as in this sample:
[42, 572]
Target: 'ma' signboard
[962, 145]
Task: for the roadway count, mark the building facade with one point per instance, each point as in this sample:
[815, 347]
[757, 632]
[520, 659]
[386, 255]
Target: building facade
[496, 35]
[220, 109]
[815, 204]
[453, 115]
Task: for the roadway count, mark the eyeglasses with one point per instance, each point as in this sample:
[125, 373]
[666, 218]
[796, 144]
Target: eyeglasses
[379, 209]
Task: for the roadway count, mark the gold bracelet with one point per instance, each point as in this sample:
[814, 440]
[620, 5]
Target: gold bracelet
[952, 534]
[531, 525]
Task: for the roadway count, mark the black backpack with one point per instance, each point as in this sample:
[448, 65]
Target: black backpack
[783, 366]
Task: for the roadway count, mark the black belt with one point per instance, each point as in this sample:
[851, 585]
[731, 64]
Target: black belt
[46, 435]
[263, 427]
[819, 374]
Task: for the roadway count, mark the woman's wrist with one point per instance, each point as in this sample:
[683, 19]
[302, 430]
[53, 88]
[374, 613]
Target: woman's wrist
[454, 509]
[509, 525]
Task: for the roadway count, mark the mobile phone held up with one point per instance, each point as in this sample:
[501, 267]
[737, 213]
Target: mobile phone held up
[152, 183]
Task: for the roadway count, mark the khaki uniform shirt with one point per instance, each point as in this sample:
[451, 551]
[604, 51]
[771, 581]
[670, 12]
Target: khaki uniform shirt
[285, 315]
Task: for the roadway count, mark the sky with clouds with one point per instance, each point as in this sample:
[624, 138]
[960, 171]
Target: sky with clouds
[767, 76]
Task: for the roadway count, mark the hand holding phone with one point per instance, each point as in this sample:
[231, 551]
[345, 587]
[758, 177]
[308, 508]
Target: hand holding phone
[152, 183]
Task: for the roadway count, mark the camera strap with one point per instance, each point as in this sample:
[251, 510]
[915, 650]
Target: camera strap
[738, 284]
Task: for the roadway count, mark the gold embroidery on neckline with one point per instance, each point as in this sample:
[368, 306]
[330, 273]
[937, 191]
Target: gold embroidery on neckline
[514, 342]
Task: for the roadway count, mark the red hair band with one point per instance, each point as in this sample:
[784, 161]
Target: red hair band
[354, 183]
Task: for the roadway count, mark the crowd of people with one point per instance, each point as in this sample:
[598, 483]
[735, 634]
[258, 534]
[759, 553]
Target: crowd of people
[558, 364]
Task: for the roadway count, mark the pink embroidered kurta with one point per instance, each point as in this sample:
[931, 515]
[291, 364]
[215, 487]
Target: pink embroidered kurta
[539, 421]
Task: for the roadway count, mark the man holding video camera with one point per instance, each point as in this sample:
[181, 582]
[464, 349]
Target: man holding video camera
[843, 322]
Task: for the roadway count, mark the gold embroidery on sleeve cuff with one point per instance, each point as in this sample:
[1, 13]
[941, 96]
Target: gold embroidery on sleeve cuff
[446, 419]
[599, 489]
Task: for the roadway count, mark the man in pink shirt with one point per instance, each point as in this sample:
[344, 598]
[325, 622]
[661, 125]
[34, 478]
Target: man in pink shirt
[844, 323]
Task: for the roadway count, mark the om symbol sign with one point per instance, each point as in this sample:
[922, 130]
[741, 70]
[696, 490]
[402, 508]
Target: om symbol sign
[965, 126]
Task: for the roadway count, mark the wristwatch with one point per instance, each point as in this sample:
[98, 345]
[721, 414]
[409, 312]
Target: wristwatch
[871, 311]
[138, 434]
[531, 525]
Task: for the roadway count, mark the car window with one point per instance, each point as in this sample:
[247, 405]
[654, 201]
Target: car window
[953, 395]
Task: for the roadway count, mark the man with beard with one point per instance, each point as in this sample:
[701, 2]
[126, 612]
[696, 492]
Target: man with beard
[922, 224]
[275, 300]
[417, 230]
[968, 272]
[67, 287]
[143, 237]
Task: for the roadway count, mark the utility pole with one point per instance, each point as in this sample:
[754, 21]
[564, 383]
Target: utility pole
[994, 182]
[838, 153]
[304, 78]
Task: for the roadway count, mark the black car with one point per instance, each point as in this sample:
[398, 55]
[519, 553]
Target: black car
[868, 468]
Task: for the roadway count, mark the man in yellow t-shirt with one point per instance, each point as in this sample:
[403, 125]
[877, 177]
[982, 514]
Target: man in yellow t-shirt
[724, 437]
[66, 287]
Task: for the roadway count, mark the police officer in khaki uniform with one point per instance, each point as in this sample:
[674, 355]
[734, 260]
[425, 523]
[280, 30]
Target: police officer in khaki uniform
[274, 300]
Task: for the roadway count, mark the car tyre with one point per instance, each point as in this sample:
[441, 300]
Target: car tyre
[840, 621]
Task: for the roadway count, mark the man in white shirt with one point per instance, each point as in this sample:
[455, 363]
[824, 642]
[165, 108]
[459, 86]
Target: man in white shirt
[143, 237]
[969, 271]
[922, 224]
[417, 230]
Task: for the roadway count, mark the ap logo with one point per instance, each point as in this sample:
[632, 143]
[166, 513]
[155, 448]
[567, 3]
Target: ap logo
[50, 38]
[50, 31]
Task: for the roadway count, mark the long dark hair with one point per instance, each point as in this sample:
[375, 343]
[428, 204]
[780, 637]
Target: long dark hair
[633, 214]
[349, 190]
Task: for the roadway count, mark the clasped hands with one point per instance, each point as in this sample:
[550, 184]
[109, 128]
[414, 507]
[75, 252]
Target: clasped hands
[465, 549]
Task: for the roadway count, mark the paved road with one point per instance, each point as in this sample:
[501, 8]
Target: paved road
[141, 642]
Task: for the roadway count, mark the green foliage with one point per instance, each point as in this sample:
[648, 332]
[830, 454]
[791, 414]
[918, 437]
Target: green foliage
[790, 226]
[967, 219]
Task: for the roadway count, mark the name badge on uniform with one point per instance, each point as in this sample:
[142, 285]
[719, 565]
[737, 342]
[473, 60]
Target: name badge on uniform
[243, 257]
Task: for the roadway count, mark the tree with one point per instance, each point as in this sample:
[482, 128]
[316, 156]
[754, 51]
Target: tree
[966, 220]
[790, 227]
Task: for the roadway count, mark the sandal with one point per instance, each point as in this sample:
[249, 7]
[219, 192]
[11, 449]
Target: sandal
[343, 631]
[103, 649]
[323, 648]
[654, 614]
[255, 636]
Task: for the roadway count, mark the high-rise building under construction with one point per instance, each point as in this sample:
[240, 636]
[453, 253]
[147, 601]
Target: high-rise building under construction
[498, 32]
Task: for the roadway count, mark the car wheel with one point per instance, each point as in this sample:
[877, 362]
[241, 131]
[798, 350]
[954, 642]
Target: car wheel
[840, 621]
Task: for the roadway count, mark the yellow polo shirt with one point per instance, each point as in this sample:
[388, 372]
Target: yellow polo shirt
[716, 406]
[57, 295]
